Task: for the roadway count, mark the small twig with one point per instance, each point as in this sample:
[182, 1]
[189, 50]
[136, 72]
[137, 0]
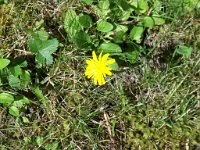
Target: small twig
[106, 117]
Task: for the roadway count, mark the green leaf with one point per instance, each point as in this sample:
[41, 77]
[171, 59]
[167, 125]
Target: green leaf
[132, 57]
[82, 39]
[4, 63]
[136, 33]
[85, 21]
[124, 5]
[25, 78]
[114, 66]
[143, 6]
[18, 104]
[16, 70]
[158, 20]
[110, 48]
[104, 4]
[121, 28]
[14, 111]
[39, 141]
[14, 81]
[46, 49]
[43, 35]
[6, 98]
[71, 23]
[25, 120]
[34, 44]
[88, 2]
[119, 37]
[148, 22]
[184, 50]
[25, 100]
[50, 46]
[104, 26]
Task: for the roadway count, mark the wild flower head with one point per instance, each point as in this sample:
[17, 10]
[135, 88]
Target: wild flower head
[98, 68]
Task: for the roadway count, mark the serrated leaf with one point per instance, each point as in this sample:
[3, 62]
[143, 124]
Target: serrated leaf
[148, 22]
[110, 48]
[104, 26]
[82, 39]
[136, 33]
[46, 49]
[14, 111]
[71, 23]
[43, 35]
[14, 81]
[85, 21]
[6, 98]
[4, 63]
[34, 45]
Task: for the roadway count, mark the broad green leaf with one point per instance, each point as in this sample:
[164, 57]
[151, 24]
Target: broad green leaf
[44, 57]
[121, 28]
[50, 46]
[124, 5]
[136, 33]
[158, 20]
[143, 6]
[88, 2]
[16, 70]
[126, 15]
[14, 111]
[110, 48]
[82, 39]
[25, 100]
[13, 81]
[43, 35]
[25, 78]
[34, 44]
[71, 23]
[132, 57]
[85, 21]
[18, 104]
[114, 66]
[184, 50]
[4, 63]
[6, 98]
[46, 49]
[104, 26]
[104, 4]
[119, 37]
[148, 22]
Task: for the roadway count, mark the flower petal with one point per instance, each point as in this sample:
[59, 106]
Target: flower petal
[94, 55]
[110, 61]
[100, 56]
[105, 57]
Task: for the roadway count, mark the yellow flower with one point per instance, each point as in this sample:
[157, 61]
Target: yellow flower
[98, 68]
